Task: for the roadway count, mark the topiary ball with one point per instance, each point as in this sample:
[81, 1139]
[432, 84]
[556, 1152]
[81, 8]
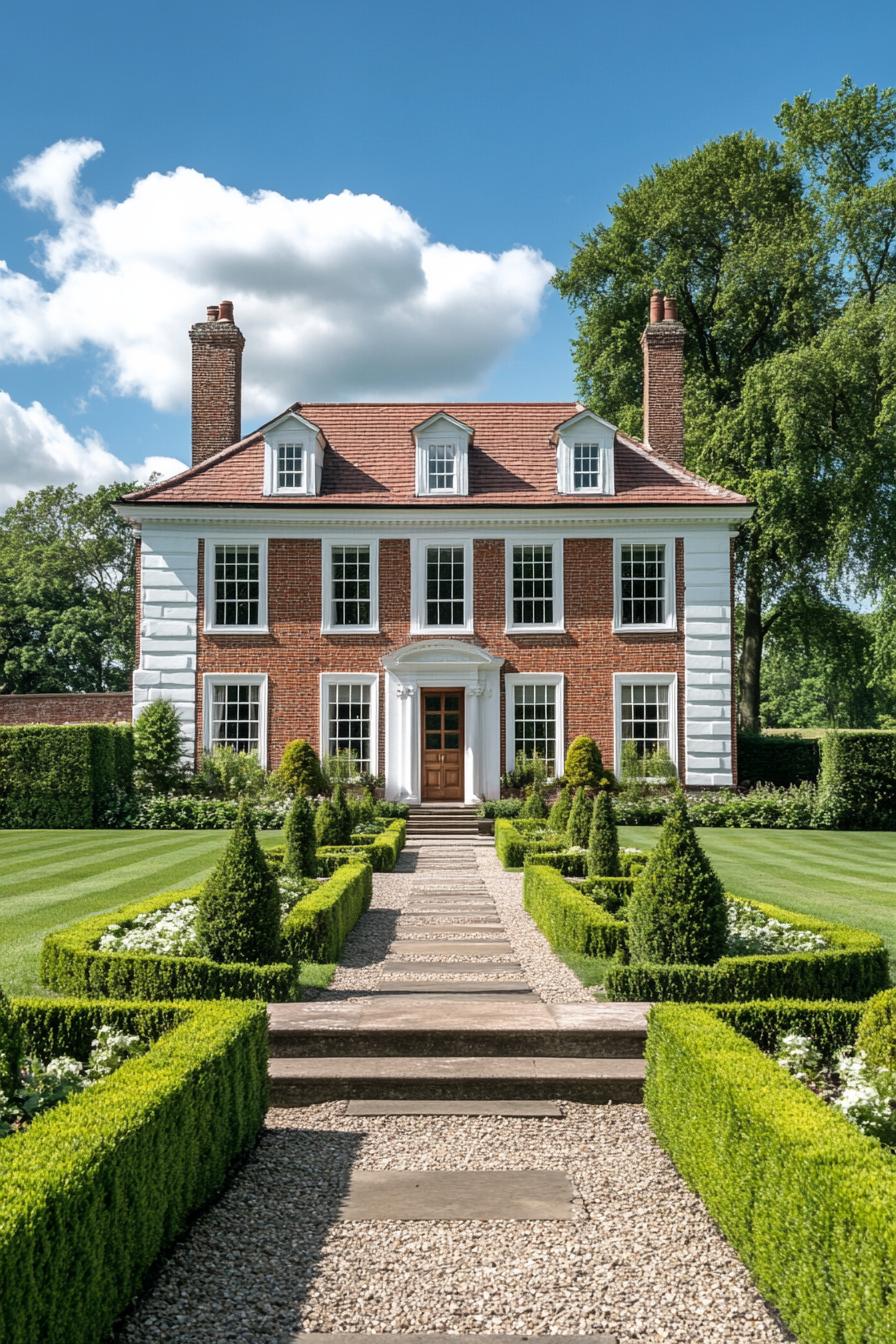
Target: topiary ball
[584, 767]
[299, 770]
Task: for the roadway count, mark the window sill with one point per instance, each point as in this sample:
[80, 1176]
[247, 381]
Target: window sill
[442, 630]
[235, 630]
[645, 629]
[535, 629]
[350, 630]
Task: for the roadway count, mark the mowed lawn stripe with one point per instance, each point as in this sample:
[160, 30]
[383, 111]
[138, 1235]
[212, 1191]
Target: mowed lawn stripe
[812, 847]
[27, 874]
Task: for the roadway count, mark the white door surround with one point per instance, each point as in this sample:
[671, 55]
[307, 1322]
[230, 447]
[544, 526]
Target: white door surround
[450, 663]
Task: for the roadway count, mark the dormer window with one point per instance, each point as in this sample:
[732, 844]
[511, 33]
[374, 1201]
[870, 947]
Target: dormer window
[442, 444]
[585, 456]
[293, 456]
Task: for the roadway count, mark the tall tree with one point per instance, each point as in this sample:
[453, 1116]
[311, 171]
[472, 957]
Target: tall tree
[817, 668]
[787, 379]
[66, 592]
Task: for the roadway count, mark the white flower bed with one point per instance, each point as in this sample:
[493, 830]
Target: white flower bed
[751, 933]
[42, 1086]
[865, 1093]
[171, 932]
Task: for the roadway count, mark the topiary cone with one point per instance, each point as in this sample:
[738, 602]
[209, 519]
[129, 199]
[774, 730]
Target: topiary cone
[239, 907]
[603, 840]
[579, 823]
[300, 859]
[677, 912]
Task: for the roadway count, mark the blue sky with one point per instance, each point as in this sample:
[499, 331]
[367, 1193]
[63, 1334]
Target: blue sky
[495, 126]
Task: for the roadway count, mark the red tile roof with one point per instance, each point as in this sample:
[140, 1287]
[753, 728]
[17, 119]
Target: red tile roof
[369, 460]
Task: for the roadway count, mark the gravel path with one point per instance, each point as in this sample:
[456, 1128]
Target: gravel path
[641, 1259]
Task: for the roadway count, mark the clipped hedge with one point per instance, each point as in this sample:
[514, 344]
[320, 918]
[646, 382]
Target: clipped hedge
[515, 838]
[803, 1196]
[569, 862]
[381, 850]
[64, 777]
[853, 967]
[96, 1189]
[569, 919]
[318, 925]
[71, 963]
[857, 785]
[776, 759]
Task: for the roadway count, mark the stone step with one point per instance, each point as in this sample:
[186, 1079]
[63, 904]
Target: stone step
[301, 1081]
[460, 1025]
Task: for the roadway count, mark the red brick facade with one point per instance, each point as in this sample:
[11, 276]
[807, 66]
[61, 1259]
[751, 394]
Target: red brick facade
[295, 653]
[66, 707]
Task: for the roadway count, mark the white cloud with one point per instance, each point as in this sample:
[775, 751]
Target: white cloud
[343, 297]
[36, 450]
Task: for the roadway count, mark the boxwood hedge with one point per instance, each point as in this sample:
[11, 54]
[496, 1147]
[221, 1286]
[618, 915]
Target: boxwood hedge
[380, 850]
[314, 930]
[94, 1190]
[803, 1196]
[569, 919]
[68, 776]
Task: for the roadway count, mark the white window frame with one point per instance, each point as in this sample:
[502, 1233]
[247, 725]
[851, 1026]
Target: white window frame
[621, 679]
[671, 621]
[442, 431]
[555, 679]
[327, 625]
[237, 539]
[212, 679]
[586, 427]
[371, 679]
[419, 547]
[557, 626]
[293, 428]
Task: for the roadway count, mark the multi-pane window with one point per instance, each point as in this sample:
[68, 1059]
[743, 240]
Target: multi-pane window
[290, 466]
[348, 721]
[535, 722]
[533, 585]
[351, 585]
[586, 466]
[235, 716]
[445, 585]
[237, 584]
[644, 717]
[642, 583]
[440, 467]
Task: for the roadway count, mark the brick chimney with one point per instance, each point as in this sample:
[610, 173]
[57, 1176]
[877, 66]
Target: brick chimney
[663, 346]
[217, 381]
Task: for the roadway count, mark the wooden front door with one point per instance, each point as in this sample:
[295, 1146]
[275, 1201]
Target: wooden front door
[443, 745]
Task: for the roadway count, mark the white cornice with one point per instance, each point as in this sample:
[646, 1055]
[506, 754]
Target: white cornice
[320, 520]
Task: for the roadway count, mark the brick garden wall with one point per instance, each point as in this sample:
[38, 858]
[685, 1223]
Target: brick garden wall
[73, 707]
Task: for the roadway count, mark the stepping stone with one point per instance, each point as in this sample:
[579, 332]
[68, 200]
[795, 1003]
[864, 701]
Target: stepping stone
[463, 986]
[415, 1337]
[480, 968]
[432, 947]
[538, 1109]
[468, 1195]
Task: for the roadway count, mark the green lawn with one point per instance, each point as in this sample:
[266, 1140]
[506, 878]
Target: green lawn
[51, 878]
[846, 876]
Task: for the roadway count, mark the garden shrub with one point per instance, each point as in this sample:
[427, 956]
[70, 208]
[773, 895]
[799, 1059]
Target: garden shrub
[342, 813]
[677, 912]
[10, 1046]
[381, 851]
[569, 862]
[500, 807]
[239, 908]
[579, 823]
[317, 925]
[804, 1197]
[158, 747]
[610, 892]
[300, 770]
[71, 776]
[185, 812]
[569, 920]
[535, 807]
[857, 785]
[327, 827]
[398, 811]
[558, 817]
[95, 1190]
[226, 773]
[583, 767]
[603, 842]
[778, 759]
[301, 843]
[877, 1030]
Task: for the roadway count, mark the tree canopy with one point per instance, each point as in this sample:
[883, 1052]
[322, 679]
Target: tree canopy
[782, 256]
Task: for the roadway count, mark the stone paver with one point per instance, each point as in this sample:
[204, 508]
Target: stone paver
[448, 1195]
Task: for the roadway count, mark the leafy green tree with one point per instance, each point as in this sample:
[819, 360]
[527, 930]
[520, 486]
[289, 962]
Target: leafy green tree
[157, 747]
[603, 840]
[583, 767]
[677, 912]
[817, 668]
[66, 592]
[579, 823]
[781, 257]
[301, 843]
[300, 770]
[239, 906]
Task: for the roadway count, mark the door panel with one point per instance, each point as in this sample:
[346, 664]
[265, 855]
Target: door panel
[442, 729]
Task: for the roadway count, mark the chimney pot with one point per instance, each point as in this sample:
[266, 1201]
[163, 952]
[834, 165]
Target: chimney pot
[225, 310]
[670, 310]
[211, 312]
[656, 306]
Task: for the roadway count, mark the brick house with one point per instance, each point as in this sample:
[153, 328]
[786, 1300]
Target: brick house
[436, 587]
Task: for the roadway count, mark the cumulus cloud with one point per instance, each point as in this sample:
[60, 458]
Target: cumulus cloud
[36, 450]
[343, 297]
